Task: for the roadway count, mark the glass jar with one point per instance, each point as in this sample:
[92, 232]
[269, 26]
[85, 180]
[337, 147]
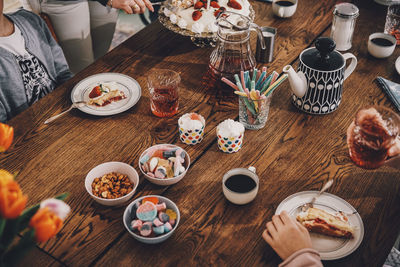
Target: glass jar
[343, 23]
[255, 116]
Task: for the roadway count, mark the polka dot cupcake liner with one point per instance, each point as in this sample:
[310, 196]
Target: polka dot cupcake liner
[230, 144]
[191, 136]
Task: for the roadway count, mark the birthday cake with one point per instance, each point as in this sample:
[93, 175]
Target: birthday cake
[199, 16]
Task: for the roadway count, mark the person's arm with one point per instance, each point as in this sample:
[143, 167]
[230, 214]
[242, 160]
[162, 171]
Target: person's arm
[291, 241]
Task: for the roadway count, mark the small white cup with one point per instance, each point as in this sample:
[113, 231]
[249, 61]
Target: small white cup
[240, 198]
[284, 11]
[380, 51]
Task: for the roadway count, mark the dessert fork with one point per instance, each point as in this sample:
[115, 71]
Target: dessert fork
[308, 205]
[78, 104]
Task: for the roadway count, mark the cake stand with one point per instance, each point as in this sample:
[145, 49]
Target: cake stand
[204, 39]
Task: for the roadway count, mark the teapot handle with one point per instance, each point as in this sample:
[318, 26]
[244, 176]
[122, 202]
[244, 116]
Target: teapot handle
[349, 69]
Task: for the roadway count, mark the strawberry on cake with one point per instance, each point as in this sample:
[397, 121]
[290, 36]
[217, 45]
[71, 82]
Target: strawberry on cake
[194, 16]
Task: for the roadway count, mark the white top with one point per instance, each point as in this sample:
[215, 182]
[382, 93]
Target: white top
[188, 124]
[15, 43]
[230, 128]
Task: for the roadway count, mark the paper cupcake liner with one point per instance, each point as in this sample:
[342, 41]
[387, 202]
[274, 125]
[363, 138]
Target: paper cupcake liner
[191, 137]
[230, 144]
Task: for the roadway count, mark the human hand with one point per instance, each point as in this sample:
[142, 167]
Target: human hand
[286, 235]
[132, 6]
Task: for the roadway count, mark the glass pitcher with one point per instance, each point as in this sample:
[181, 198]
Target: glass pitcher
[232, 52]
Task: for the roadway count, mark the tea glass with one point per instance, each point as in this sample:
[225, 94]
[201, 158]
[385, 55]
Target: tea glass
[163, 87]
[392, 25]
[254, 117]
[369, 142]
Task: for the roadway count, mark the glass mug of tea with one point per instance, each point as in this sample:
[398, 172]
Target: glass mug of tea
[163, 87]
[240, 185]
[284, 8]
[370, 136]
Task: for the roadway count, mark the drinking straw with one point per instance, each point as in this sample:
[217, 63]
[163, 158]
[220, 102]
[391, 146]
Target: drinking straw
[247, 92]
[238, 82]
[240, 93]
[231, 84]
[264, 69]
[275, 85]
[246, 79]
[258, 74]
[254, 75]
[258, 94]
[252, 85]
[242, 78]
[275, 76]
[260, 80]
[266, 83]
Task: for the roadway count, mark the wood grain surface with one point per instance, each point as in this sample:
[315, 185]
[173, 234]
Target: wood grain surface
[294, 152]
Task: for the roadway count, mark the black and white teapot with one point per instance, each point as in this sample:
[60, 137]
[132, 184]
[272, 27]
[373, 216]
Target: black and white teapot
[317, 86]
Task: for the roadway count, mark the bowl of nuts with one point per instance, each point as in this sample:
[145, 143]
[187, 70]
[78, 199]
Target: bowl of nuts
[112, 183]
[164, 164]
[151, 219]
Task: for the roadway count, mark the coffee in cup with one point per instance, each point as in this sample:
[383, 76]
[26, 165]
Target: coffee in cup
[240, 186]
[284, 8]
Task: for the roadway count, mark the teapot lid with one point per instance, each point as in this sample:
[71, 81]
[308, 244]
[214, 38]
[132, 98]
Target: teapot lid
[323, 56]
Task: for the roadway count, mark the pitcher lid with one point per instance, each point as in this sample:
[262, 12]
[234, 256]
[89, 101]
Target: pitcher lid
[323, 56]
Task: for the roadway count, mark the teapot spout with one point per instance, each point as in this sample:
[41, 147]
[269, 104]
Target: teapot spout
[298, 81]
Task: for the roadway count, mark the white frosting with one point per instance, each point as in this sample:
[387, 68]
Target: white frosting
[182, 23]
[173, 18]
[208, 16]
[197, 27]
[230, 128]
[167, 12]
[188, 124]
[212, 27]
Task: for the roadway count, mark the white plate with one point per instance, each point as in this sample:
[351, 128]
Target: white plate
[397, 65]
[129, 86]
[330, 248]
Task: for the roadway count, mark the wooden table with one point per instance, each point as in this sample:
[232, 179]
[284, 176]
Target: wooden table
[294, 152]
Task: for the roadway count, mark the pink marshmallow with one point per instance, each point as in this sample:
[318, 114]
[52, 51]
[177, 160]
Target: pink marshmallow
[172, 222]
[161, 207]
[150, 174]
[136, 224]
[168, 226]
[157, 222]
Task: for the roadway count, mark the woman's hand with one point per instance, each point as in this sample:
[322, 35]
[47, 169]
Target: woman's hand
[132, 6]
[286, 235]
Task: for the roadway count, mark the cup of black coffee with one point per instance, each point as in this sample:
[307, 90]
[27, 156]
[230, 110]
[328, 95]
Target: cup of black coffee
[284, 8]
[381, 45]
[240, 186]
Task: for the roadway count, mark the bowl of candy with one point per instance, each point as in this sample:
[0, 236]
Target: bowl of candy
[164, 164]
[112, 183]
[151, 219]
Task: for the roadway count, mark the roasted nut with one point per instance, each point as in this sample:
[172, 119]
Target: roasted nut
[112, 185]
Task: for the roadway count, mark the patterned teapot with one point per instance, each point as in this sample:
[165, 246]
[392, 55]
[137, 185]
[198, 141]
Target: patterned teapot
[317, 86]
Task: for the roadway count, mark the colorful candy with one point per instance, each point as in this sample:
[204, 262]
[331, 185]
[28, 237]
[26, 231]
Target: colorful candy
[164, 162]
[150, 217]
[147, 211]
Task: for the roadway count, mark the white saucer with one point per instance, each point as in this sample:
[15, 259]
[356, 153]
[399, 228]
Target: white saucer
[129, 86]
[330, 248]
[397, 65]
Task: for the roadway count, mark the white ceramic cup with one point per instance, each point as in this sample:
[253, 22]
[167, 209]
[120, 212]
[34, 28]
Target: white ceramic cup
[284, 11]
[380, 51]
[240, 198]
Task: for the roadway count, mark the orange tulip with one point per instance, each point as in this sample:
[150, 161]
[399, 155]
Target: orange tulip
[5, 177]
[46, 224]
[6, 136]
[12, 201]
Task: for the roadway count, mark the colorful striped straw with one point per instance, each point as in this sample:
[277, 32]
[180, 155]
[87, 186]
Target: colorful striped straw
[275, 85]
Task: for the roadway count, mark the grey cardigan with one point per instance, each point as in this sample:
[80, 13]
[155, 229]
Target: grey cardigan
[40, 43]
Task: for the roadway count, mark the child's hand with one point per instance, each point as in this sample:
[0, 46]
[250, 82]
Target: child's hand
[286, 235]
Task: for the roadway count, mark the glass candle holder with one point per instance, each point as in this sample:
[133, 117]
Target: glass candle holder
[343, 23]
[253, 114]
[392, 24]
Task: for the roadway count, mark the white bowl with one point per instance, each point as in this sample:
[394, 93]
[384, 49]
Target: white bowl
[108, 167]
[379, 51]
[151, 240]
[167, 181]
